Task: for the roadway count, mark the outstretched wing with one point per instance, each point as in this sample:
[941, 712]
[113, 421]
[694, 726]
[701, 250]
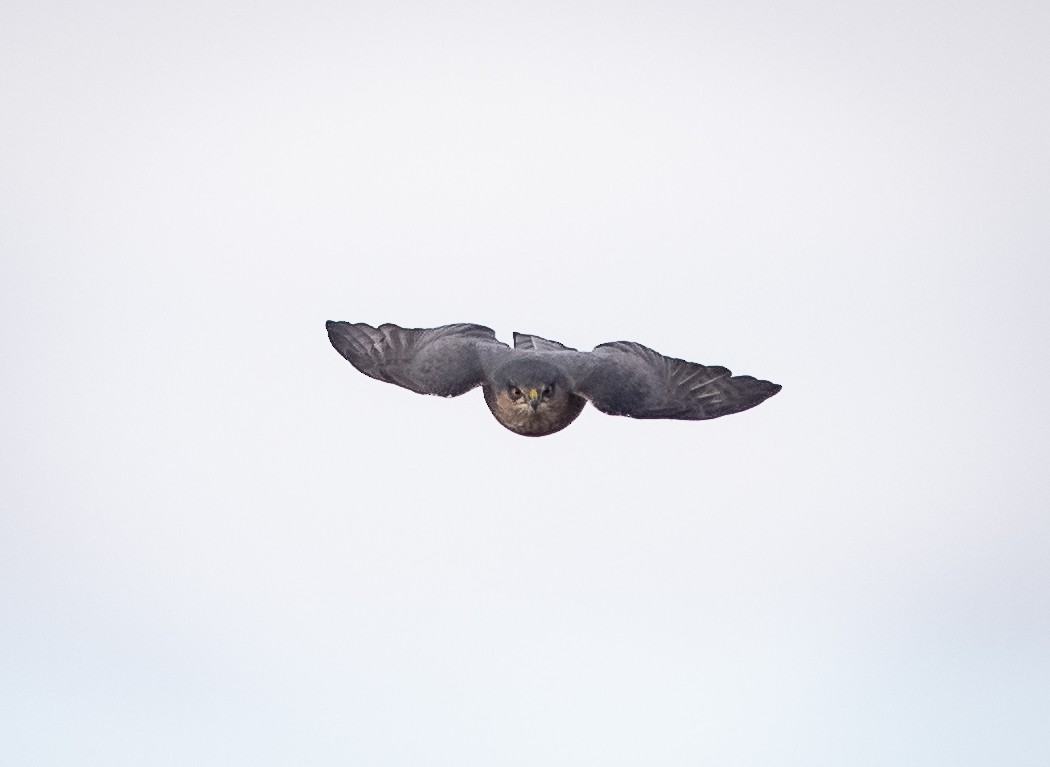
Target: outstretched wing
[624, 378]
[446, 361]
[535, 343]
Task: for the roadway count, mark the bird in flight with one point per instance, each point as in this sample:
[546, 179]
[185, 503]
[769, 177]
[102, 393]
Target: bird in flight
[540, 386]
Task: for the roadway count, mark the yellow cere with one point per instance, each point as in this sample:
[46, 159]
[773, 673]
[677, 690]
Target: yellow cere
[533, 394]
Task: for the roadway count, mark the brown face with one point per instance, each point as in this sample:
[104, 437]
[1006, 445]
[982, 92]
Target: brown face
[535, 396]
[534, 409]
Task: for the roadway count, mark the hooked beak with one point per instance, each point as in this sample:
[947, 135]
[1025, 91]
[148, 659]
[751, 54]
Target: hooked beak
[534, 399]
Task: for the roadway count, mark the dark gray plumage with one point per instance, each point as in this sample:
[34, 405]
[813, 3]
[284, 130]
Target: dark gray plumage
[540, 386]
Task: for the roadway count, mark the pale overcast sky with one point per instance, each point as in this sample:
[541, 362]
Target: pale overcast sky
[221, 545]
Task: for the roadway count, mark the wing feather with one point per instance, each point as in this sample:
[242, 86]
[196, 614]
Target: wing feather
[630, 379]
[536, 343]
[446, 360]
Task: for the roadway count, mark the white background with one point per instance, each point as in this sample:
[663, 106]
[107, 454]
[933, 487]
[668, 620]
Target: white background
[221, 545]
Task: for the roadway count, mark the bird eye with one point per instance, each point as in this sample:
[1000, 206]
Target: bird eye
[547, 390]
[515, 392]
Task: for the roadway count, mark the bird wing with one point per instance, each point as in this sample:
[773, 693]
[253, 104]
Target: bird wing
[624, 378]
[535, 343]
[446, 360]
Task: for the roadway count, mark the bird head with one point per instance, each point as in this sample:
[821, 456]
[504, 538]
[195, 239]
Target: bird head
[531, 394]
[531, 383]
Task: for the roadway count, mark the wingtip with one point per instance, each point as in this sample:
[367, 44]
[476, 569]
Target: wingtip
[769, 389]
[336, 329]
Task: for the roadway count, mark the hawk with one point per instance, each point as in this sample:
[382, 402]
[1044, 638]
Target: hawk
[540, 386]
